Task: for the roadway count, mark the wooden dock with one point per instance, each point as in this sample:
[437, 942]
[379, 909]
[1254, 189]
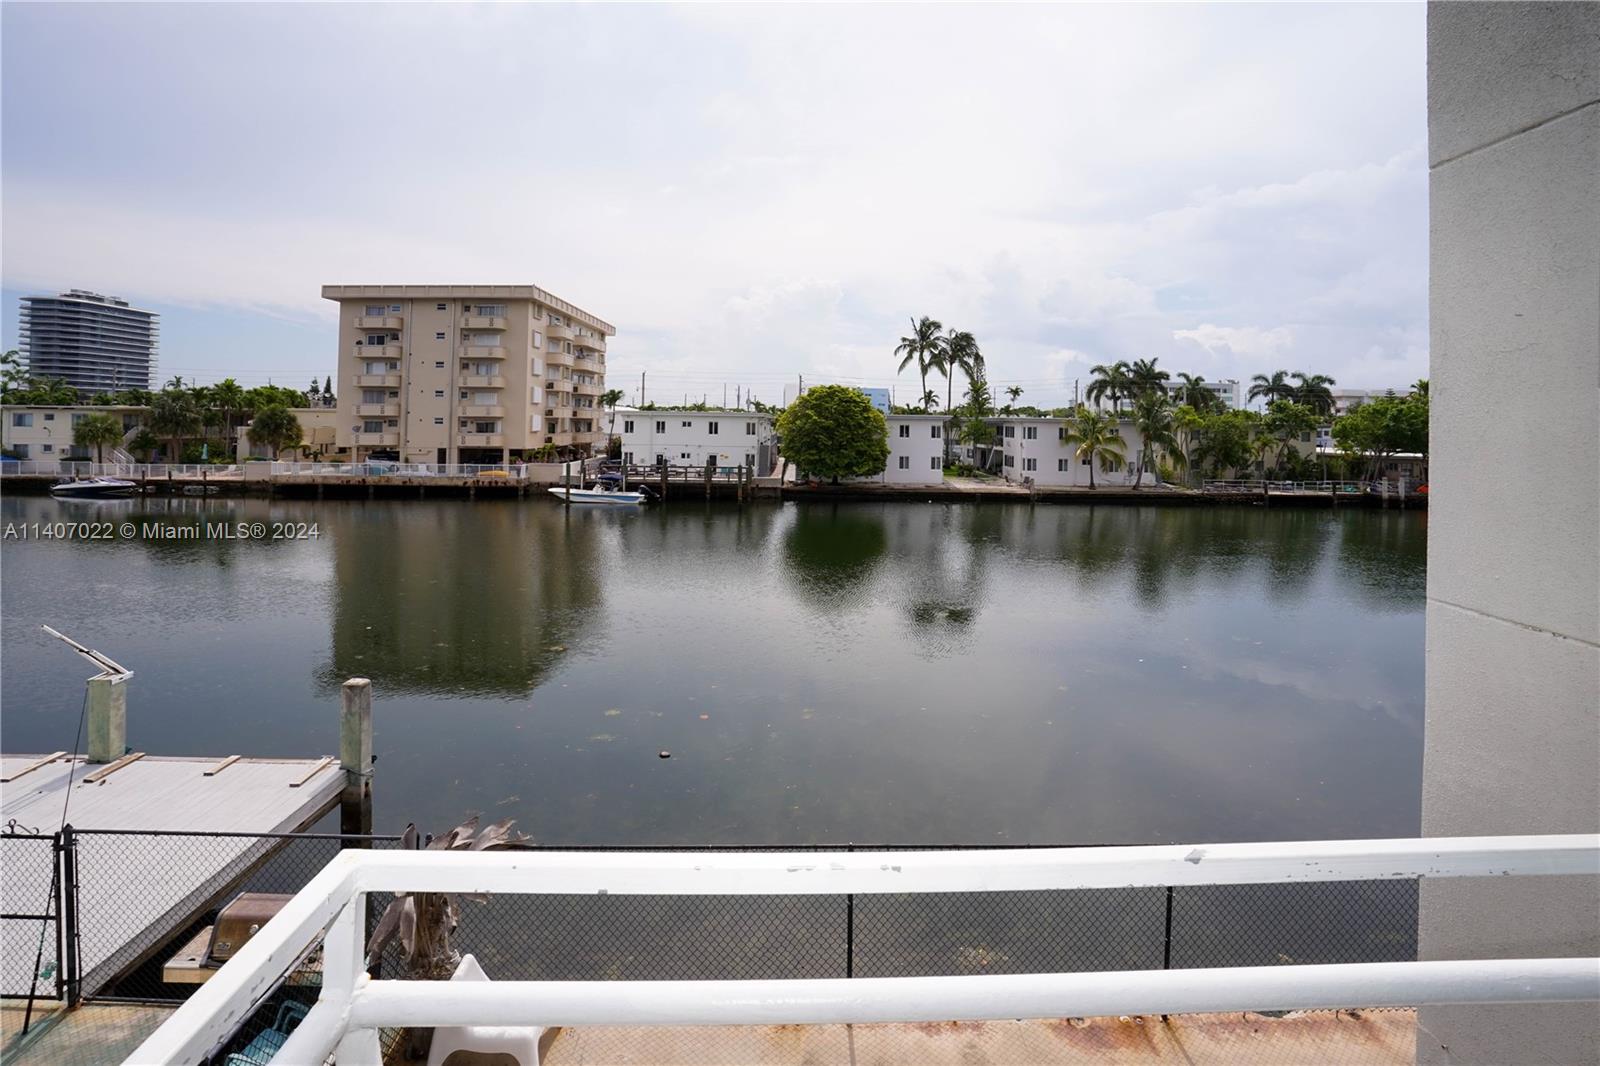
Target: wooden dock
[134, 893]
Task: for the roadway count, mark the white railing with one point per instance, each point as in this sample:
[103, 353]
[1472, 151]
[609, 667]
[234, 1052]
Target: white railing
[132, 471]
[353, 1007]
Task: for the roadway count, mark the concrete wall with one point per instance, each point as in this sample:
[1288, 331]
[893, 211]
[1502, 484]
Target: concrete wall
[1513, 628]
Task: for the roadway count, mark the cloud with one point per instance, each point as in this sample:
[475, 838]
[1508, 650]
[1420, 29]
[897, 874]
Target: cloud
[750, 194]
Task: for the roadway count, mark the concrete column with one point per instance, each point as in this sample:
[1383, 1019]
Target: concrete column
[1512, 741]
[355, 756]
[107, 719]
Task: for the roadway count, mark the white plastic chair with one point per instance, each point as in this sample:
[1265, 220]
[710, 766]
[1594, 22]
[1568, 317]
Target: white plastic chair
[521, 1042]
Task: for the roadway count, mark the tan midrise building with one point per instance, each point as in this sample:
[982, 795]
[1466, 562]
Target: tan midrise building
[466, 373]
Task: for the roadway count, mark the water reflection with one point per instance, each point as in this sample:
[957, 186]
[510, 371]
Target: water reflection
[452, 601]
[832, 551]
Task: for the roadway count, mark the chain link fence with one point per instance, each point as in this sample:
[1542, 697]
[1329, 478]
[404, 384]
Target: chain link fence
[30, 910]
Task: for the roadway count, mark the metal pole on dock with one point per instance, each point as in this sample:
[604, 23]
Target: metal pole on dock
[663, 481]
[355, 756]
[566, 477]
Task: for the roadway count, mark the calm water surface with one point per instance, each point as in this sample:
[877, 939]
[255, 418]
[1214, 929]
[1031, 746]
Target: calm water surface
[821, 673]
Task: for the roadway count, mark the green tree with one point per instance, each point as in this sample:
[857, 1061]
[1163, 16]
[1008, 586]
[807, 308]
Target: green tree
[1191, 390]
[960, 350]
[1093, 436]
[143, 443]
[173, 416]
[1285, 420]
[833, 431]
[609, 399]
[1375, 430]
[1313, 392]
[12, 376]
[1222, 441]
[328, 398]
[276, 427]
[1147, 378]
[175, 383]
[1152, 417]
[229, 398]
[1014, 392]
[930, 400]
[1276, 387]
[924, 348]
[96, 431]
[1109, 381]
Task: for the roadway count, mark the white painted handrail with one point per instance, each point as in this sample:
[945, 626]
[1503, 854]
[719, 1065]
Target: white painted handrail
[352, 1005]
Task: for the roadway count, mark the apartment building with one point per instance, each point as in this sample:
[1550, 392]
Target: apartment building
[41, 432]
[1036, 448]
[693, 438]
[467, 373]
[1227, 391]
[916, 450]
[95, 343]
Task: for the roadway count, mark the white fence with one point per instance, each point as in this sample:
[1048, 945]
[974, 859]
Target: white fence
[539, 473]
[352, 1006]
[131, 471]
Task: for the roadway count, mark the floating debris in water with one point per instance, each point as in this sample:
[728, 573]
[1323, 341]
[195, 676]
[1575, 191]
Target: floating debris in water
[556, 647]
[508, 799]
[612, 712]
[703, 717]
[664, 755]
[602, 738]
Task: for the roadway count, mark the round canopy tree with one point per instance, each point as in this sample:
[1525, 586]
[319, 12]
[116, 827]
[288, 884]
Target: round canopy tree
[833, 431]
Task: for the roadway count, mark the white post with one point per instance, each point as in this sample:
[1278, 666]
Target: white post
[108, 718]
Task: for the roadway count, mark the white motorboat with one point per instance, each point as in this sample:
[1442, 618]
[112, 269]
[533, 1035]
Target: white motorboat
[598, 496]
[93, 488]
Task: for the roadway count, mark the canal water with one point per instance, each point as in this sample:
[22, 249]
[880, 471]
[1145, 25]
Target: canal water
[819, 673]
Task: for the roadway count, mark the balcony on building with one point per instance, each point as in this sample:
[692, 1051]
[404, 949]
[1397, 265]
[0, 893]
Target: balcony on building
[483, 322]
[592, 341]
[377, 380]
[558, 332]
[378, 410]
[481, 381]
[483, 351]
[388, 439]
[560, 439]
[482, 411]
[376, 351]
[390, 322]
[555, 358]
[588, 388]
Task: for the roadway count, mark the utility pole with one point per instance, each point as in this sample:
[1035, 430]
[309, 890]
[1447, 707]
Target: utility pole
[641, 388]
[737, 390]
[724, 395]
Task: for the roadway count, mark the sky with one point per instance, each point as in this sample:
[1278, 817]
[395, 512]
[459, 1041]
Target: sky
[748, 193]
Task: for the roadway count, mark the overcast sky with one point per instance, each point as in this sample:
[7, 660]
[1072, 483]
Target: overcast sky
[747, 193]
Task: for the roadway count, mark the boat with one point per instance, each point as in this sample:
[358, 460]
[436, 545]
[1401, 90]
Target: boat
[93, 488]
[597, 495]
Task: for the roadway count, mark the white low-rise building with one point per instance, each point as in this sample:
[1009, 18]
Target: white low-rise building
[916, 451]
[692, 438]
[44, 432]
[1035, 448]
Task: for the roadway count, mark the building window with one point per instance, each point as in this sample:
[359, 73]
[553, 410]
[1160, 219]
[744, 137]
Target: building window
[538, 339]
[711, 428]
[938, 431]
[1084, 461]
[48, 447]
[1030, 464]
[1062, 465]
[21, 450]
[627, 457]
[688, 425]
[372, 425]
[438, 394]
[627, 427]
[934, 463]
[49, 416]
[375, 310]
[683, 455]
[1011, 431]
[905, 430]
[439, 421]
[394, 309]
[749, 460]
[749, 429]
[21, 419]
[438, 365]
[1061, 433]
[439, 336]
[1030, 432]
[441, 307]
[1011, 460]
[661, 427]
[905, 462]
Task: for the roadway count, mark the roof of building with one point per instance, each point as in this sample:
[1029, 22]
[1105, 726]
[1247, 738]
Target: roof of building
[471, 292]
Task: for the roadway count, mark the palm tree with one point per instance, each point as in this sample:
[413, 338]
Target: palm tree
[930, 399]
[1152, 417]
[276, 427]
[173, 416]
[96, 431]
[924, 348]
[229, 398]
[1420, 388]
[1146, 378]
[1192, 391]
[1276, 387]
[175, 383]
[1313, 392]
[610, 398]
[960, 348]
[1013, 391]
[1093, 435]
[1110, 380]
